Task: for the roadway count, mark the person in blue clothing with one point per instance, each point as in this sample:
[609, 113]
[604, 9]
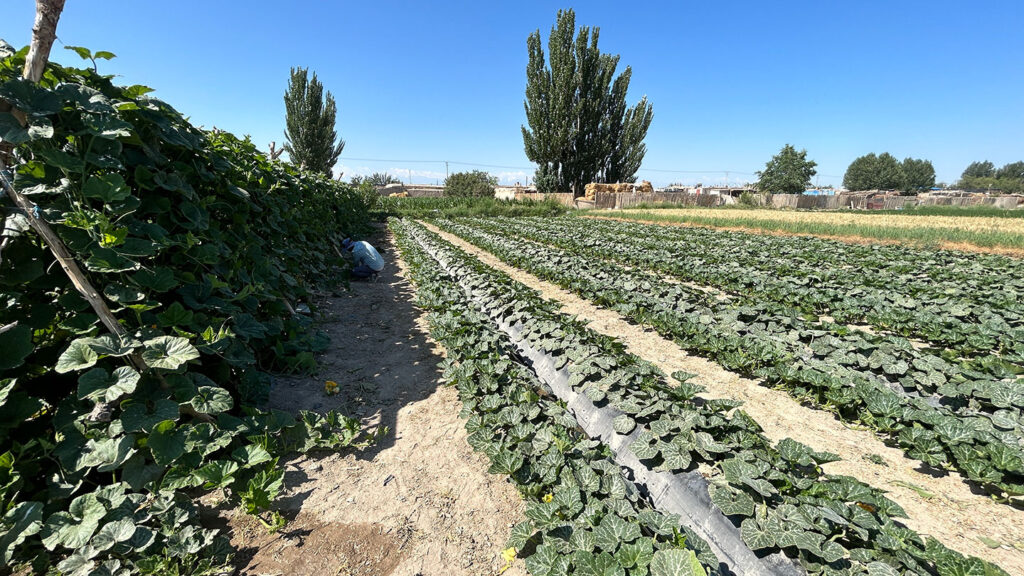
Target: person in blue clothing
[366, 261]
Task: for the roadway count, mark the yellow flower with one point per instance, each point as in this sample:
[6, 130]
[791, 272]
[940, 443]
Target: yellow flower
[508, 554]
[547, 498]
[331, 387]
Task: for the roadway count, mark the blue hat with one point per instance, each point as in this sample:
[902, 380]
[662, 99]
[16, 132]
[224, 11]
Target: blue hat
[347, 243]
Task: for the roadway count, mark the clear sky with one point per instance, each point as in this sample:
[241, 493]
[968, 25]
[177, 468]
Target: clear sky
[730, 82]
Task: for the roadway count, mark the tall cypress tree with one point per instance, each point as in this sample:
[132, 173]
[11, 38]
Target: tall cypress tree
[580, 129]
[309, 124]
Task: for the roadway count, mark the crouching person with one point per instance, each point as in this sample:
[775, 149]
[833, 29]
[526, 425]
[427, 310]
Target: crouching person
[366, 261]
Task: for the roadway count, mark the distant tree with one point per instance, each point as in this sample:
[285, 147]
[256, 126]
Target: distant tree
[870, 172]
[788, 172]
[580, 129]
[1011, 171]
[382, 179]
[983, 175]
[860, 174]
[309, 133]
[476, 183]
[889, 172]
[984, 169]
[918, 175]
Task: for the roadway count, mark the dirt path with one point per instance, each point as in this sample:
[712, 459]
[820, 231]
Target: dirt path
[947, 509]
[419, 503]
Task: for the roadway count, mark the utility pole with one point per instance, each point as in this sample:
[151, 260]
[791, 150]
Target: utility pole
[445, 169]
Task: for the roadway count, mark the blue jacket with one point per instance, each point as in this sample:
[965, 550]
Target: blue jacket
[364, 253]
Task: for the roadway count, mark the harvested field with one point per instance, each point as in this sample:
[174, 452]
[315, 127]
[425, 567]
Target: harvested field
[969, 233]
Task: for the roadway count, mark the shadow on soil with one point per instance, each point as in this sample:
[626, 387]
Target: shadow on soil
[378, 355]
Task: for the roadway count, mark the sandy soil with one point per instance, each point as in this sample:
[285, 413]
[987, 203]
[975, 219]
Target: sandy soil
[848, 238]
[946, 507]
[420, 502]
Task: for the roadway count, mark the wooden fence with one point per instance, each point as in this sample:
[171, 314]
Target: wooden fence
[884, 202]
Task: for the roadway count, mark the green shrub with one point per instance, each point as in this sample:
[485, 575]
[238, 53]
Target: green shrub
[478, 184]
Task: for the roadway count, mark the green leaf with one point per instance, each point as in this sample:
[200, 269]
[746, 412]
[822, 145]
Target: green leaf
[519, 535]
[248, 327]
[623, 424]
[755, 536]
[117, 292]
[637, 554]
[60, 159]
[166, 443]
[505, 462]
[109, 188]
[217, 474]
[113, 533]
[20, 522]
[158, 280]
[600, 564]
[212, 400]
[136, 417]
[175, 315]
[676, 562]
[109, 261]
[251, 455]
[16, 344]
[108, 453]
[83, 53]
[78, 356]
[731, 502]
[660, 523]
[74, 528]
[643, 446]
[98, 384]
[168, 352]
[613, 531]
[546, 561]
[543, 514]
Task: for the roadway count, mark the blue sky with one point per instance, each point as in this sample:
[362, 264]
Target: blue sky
[730, 82]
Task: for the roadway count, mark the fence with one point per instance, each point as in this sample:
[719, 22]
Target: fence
[613, 201]
[869, 201]
[565, 199]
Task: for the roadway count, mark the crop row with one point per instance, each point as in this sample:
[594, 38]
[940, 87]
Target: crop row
[988, 380]
[947, 299]
[581, 511]
[778, 496]
[888, 388]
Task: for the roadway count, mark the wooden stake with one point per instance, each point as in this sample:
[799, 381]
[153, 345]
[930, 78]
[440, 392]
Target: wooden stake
[44, 32]
[60, 252]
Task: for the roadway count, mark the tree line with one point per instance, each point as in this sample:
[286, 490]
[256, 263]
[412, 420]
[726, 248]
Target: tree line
[790, 172]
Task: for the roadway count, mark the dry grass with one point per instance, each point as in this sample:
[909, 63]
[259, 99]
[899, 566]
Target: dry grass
[984, 234]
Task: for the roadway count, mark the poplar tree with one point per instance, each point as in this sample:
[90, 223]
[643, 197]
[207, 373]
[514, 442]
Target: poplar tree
[580, 129]
[309, 124]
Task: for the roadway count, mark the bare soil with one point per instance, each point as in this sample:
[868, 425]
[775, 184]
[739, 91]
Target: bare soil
[943, 506]
[418, 503]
